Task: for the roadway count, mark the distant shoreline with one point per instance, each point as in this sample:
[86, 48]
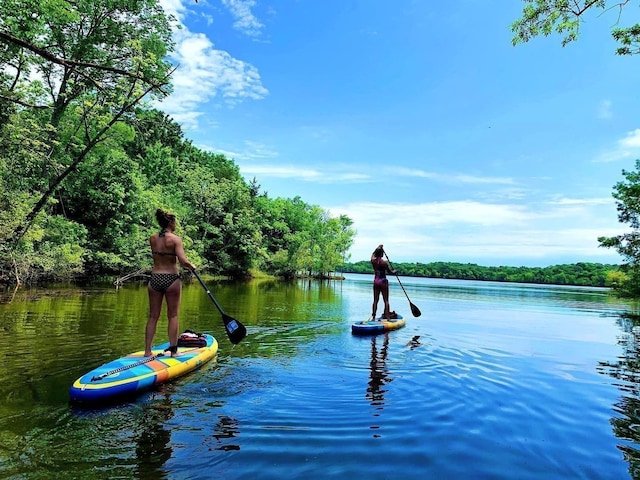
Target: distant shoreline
[585, 274]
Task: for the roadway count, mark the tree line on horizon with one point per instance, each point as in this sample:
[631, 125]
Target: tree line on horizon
[581, 273]
[85, 160]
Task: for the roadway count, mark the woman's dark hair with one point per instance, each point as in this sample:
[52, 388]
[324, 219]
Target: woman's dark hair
[164, 218]
[378, 252]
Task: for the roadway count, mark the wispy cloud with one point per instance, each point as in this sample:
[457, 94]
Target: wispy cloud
[605, 111]
[250, 151]
[625, 148]
[477, 232]
[307, 174]
[340, 173]
[436, 214]
[205, 74]
[245, 20]
[581, 201]
[453, 178]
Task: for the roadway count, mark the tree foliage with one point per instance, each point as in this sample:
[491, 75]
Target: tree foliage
[565, 17]
[70, 71]
[627, 195]
[84, 163]
[583, 273]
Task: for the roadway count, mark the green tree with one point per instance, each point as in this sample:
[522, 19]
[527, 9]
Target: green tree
[79, 67]
[220, 219]
[627, 195]
[564, 17]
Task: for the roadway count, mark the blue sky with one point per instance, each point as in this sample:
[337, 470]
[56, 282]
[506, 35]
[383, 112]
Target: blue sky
[418, 120]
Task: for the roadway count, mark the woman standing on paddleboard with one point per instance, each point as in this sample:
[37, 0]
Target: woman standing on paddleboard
[381, 283]
[165, 283]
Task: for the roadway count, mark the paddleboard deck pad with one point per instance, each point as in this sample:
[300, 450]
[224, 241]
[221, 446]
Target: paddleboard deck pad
[134, 373]
[378, 325]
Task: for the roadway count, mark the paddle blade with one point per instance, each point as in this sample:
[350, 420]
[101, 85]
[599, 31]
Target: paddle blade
[415, 310]
[236, 331]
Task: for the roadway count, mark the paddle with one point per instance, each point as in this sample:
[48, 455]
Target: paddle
[415, 310]
[236, 331]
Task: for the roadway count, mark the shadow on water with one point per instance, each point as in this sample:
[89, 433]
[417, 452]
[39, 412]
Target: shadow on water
[626, 370]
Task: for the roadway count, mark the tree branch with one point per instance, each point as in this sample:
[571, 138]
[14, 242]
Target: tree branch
[73, 64]
[29, 219]
[24, 104]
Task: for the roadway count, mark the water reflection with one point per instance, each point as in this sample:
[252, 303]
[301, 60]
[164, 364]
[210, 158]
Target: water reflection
[153, 443]
[378, 376]
[226, 428]
[626, 370]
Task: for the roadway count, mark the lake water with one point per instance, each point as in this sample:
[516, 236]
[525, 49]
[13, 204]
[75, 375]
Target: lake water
[506, 381]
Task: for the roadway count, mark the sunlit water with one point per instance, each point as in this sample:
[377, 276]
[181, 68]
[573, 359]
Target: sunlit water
[499, 381]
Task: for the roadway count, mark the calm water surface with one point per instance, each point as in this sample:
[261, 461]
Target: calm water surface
[496, 381]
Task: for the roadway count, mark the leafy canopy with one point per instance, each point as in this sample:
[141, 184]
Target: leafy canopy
[565, 17]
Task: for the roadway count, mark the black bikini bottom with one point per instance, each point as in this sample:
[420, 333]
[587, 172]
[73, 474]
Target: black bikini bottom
[161, 281]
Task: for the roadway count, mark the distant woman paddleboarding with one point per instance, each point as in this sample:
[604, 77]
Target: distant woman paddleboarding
[381, 283]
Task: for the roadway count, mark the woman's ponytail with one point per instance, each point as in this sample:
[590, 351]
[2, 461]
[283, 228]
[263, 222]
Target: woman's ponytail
[165, 219]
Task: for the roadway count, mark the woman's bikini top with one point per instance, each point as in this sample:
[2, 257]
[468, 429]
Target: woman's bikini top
[164, 254]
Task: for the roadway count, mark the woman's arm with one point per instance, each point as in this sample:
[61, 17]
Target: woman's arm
[388, 267]
[182, 258]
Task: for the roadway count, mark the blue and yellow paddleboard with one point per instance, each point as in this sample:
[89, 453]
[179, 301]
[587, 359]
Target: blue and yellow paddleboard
[378, 325]
[135, 373]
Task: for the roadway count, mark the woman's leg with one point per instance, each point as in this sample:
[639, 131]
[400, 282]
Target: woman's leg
[376, 297]
[173, 294]
[385, 299]
[155, 306]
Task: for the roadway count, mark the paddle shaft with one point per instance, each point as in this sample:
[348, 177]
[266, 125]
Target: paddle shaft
[415, 310]
[206, 289]
[236, 331]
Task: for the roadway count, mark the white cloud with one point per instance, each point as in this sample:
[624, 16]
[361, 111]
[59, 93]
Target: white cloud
[306, 174]
[484, 233]
[245, 22]
[632, 140]
[437, 214]
[581, 201]
[458, 178]
[626, 147]
[251, 151]
[411, 172]
[175, 8]
[339, 173]
[475, 179]
[205, 74]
